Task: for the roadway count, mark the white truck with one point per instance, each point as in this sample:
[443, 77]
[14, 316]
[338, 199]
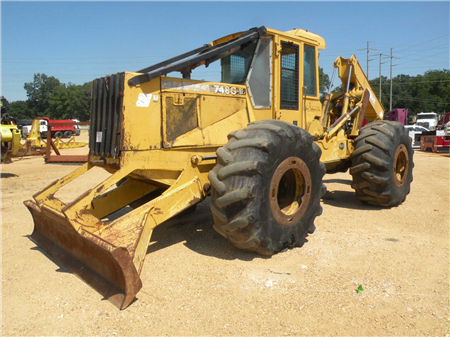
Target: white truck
[62, 131]
[26, 129]
[427, 120]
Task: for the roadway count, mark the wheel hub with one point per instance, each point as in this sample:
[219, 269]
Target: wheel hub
[290, 191]
[401, 163]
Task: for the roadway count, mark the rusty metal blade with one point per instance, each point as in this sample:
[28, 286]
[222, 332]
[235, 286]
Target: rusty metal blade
[107, 269]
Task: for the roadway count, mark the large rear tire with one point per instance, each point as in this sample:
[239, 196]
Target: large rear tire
[382, 164]
[266, 187]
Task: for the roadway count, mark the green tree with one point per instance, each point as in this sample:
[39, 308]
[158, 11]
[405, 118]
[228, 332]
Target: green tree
[324, 83]
[39, 92]
[20, 110]
[71, 101]
[421, 93]
[375, 84]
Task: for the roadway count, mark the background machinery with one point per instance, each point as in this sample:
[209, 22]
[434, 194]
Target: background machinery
[259, 142]
[9, 133]
[61, 128]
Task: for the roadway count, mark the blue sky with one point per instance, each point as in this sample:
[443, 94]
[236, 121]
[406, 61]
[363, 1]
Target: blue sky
[79, 41]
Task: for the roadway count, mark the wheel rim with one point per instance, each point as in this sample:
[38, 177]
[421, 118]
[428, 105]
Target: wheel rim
[290, 191]
[401, 163]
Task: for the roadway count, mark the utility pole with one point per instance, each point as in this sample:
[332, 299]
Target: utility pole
[380, 79]
[390, 94]
[367, 71]
[379, 96]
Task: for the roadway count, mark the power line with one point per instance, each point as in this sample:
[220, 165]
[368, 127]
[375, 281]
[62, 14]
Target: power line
[423, 43]
[413, 82]
[420, 59]
[410, 54]
[427, 50]
[421, 100]
[399, 51]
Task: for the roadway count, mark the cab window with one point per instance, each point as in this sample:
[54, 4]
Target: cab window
[309, 71]
[289, 76]
[259, 78]
[235, 67]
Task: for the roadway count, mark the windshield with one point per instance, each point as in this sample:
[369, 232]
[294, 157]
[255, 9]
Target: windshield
[235, 67]
[430, 116]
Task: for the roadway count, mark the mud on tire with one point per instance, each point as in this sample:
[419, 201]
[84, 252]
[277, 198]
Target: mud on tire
[266, 187]
[382, 164]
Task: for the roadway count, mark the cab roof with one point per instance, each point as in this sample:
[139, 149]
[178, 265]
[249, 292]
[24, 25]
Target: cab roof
[301, 34]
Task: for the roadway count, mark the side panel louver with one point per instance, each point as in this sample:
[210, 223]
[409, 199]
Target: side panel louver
[107, 101]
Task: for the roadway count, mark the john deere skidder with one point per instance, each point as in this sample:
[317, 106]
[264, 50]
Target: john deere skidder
[259, 142]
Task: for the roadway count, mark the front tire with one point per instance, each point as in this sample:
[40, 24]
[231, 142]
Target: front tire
[266, 187]
[382, 164]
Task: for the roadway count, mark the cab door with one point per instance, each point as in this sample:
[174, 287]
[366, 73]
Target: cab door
[289, 88]
[312, 108]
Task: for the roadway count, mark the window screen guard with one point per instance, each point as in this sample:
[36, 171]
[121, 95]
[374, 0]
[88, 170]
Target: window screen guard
[289, 76]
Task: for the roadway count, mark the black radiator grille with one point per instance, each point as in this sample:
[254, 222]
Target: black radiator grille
[107, 100]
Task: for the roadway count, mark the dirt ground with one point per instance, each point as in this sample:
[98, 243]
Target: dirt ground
[196, 283]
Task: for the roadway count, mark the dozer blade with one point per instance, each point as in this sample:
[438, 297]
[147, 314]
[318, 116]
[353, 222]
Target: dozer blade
[110, 271]
[109, 254]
